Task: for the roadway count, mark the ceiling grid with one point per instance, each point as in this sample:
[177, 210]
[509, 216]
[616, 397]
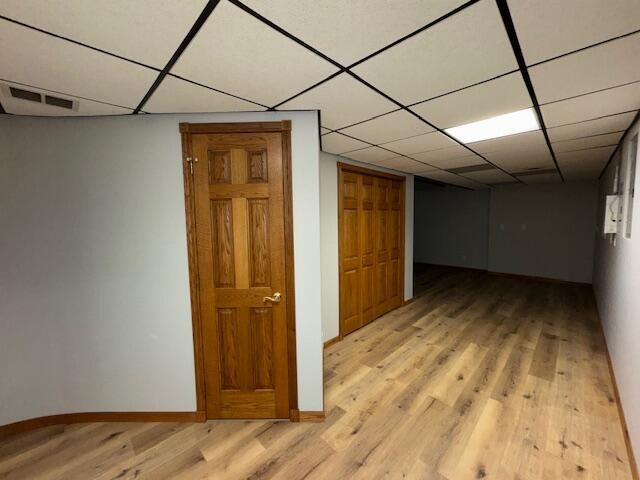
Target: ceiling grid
[386, 88]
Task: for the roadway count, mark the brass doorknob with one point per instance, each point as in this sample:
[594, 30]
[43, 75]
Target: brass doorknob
[277, 297]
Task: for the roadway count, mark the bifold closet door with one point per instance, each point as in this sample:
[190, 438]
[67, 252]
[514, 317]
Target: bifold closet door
[371, 240]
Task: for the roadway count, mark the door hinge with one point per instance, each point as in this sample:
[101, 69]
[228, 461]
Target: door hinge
[191, 161]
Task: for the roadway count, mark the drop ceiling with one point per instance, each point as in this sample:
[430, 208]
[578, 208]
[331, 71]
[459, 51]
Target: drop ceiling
[387, 80]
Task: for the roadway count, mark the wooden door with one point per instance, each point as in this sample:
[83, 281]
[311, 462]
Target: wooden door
[367, 247]
[395, 244]
[238, 184]
[371, 242]
[381, 242]
[350, 285]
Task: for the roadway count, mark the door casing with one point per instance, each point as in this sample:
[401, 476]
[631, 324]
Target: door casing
[186, 131]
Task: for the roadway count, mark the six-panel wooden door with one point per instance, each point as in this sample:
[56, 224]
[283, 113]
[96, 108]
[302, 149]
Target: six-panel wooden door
[238, 187]
[371, 243]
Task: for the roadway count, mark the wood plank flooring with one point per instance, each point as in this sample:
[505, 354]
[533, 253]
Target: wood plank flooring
[481, 377]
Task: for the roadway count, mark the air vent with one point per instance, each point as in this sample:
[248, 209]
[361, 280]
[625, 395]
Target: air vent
[536, 171]
[52, 102]
[25, 94]
[472, 168]
[58, 102]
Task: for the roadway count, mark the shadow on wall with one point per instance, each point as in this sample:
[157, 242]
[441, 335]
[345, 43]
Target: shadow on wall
[535, 230]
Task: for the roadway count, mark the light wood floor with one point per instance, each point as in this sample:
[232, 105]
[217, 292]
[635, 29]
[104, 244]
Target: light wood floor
[481, 377]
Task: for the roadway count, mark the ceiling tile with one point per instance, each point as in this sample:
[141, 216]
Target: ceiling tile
[420, 143]
[443, 154]
[26, 107]
[175, 96]
[547, 28]
[489, 176]
[34, 58]
[587, 107]
[541, 178]
[392, 126]
[502, 95]
[584, 164]
[517, 152]
[452, 178]
[587, 142]
[456, 162]
[370, 155]
[467, 48]
[405, 164]
[350, 30]
[528, 141]
[608, 65]
[148, 31]
[337, 143]
[521, 161]
[342, 101]
[239, 54]
[614, 123]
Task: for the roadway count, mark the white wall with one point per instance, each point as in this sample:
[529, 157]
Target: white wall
[329, 236]
[451, 226]
[94, 293]
[544, 230]
[617, 287]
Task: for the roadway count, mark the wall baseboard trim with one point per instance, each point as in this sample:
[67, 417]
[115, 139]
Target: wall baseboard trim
[91, 417]
[538, 279]
[307, 416]
[460, 267]
[633, 465]
[505, 274]
[312, 417]
[331, 341]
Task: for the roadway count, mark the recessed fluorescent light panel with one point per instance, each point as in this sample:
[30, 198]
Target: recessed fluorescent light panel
[500, 126]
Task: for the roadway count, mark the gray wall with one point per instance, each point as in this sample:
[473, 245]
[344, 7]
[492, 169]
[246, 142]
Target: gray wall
[94, 292]
[544, 230]
[537, 230]
[617, 286]
[451, 226]
[329, 236]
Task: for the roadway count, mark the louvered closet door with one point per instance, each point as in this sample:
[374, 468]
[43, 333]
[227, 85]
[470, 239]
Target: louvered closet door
[240, 236]
[371, 246]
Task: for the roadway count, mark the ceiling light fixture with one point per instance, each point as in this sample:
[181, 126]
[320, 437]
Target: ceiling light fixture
[494, 127]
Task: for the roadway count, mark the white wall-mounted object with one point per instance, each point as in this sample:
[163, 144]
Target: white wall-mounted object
[611, 214]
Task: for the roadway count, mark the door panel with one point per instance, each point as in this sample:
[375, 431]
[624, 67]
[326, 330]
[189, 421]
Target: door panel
[367, 248]
[382, 233]
[350, 248]
[350, 304]
[241, 258]
[396, 243]
[262, 335]
[222, 237]
[371, 240]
